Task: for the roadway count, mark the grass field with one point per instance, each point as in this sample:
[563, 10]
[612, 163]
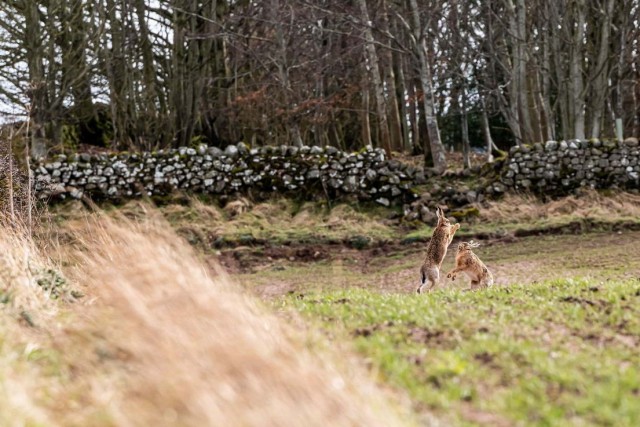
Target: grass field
[555, 353]
[556, 342]
[120, 322]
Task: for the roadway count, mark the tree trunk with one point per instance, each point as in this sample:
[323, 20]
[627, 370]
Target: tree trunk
[153, 97]
[414, 116]
[401, 93]
[37, 90]
[378, 88]
[466, 145]
[544, 81]
[395, 128]
[600, 80]
[559, 67]
[535, 102]
[486, 131]
[577, 99]
[75, 68]
[518, 101]
[521, 72]
[366, 124]
[181, 83]
[437, 149]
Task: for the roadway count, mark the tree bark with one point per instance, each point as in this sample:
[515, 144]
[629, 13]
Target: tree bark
[600, 80]
[466, 145]
[374, 69]
[395, 129]
[577, 98]
[401, 93]
[420, 42]
[366, 124]
[486, 131]
[544, 80]
[37, 109]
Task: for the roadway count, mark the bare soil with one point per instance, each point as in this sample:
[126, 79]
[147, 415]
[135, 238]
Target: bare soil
[393, 267]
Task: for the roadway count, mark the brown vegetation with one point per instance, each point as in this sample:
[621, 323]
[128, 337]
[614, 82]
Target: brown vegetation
[158, 340]
[587, 204]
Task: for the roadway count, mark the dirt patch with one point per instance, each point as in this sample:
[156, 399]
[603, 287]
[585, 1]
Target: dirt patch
[427, 336]
[369, 330]
[251, 259]
[394, 268]
[625, 340]
[485, 418]
[581, 301]
[484, 358]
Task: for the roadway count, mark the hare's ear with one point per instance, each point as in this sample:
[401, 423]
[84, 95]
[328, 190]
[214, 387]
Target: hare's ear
[439, 212]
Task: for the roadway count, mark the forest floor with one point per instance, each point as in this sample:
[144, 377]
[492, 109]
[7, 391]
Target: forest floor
[553, 343]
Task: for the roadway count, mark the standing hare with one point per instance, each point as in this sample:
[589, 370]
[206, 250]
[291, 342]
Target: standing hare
[436, 251]
[468, 263]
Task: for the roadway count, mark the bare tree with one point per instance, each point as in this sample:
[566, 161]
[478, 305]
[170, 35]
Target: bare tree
[433, 131]
[372, 64]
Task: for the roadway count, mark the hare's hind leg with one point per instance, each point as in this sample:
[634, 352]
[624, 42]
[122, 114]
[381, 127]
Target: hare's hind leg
[432, 284]
[430, 275]
[475, 285]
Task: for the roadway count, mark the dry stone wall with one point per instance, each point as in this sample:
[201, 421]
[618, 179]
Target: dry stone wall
[560, 167]
[308, 171]
[552, 168]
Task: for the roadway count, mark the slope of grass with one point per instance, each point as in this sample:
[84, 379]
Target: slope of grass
[159, 339]
[557, 353]
[284, 221]
[26, 307]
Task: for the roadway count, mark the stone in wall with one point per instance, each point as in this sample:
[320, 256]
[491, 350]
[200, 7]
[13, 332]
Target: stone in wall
[558, 168]
[554, 168]
[309, 171]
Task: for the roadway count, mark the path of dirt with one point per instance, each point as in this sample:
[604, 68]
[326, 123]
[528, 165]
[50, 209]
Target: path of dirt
[274, 271]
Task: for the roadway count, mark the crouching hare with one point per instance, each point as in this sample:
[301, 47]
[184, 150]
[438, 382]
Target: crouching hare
[436, 251]
[468, 263]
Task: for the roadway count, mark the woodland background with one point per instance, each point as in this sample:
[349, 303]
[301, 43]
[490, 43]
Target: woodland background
[412, 76]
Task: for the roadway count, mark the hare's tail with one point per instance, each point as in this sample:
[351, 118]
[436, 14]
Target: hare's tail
[430, 273]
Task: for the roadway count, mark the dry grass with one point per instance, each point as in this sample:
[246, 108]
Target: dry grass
[587, 204]
[276, 221]
[24, 310]
[200, 352]
[158, 341]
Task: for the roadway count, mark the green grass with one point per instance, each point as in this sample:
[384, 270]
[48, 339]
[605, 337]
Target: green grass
[563, 352]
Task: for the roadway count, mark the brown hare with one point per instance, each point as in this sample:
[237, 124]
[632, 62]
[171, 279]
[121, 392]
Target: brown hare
[468, 263]
[436, 251]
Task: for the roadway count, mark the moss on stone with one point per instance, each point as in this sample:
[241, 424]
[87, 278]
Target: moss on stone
[465, 213]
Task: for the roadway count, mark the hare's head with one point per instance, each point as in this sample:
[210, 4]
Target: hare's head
[444, 223]
[442, 220]
[467, 246]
